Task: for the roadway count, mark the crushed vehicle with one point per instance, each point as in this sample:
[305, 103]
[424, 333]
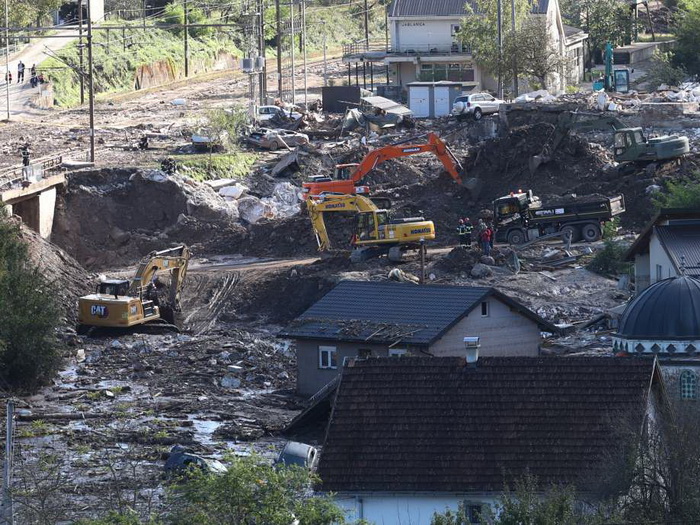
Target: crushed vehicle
[274, 139]
[266, 113]
[182, 461]
[475, 105]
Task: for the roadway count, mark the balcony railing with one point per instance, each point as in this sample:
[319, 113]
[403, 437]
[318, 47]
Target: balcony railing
[374, 48]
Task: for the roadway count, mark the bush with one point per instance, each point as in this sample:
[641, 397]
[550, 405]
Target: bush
[175, 14]
[662, 71]
[609, 261]
[29, 315]
[680, 194]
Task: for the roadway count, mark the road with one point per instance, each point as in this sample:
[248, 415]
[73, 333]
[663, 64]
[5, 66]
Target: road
[21, 94]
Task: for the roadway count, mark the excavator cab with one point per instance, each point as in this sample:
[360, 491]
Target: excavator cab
[113, 287]
[344, 171]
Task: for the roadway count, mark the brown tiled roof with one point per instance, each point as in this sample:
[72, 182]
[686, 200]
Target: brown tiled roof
[439, 425]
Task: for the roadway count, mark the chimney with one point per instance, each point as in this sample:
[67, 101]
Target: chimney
[472, 345]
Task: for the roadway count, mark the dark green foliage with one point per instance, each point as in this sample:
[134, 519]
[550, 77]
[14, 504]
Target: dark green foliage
[28, 316]
[662, 71]
[687, 49]
[252, 492]
[609, 261]
[175, 14]
[684, 193]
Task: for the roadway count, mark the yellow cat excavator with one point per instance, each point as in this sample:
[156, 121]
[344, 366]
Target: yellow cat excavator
[124, 303]
[376, 233]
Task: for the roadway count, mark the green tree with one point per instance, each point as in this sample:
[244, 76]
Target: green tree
[535, 52]
[603, 20]
[175, 14]
[253, 492]
[29, 315]
[479, 31]
[687, 50]
[662, 71]
[683, 193]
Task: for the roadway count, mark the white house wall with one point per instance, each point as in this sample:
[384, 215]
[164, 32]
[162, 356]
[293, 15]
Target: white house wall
[421, 34]
[408, 509]
[658, 256]
[502, 333]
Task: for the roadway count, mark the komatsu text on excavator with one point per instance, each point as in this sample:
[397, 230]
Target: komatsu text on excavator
[122, 303]
[348, 176]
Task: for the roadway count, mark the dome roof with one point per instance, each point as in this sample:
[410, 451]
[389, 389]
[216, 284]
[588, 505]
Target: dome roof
[668, 309]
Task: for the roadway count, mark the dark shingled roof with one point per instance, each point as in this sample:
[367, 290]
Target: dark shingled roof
[641, 243]
[682, 243]
[667, 310]
[444, 7]
[388, 312]
[439, 425]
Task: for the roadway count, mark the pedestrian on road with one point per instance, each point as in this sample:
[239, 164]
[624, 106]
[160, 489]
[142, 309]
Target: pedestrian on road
[20, 72]
[8, 77]
[33, 81]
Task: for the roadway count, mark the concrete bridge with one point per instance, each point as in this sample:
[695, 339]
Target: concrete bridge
[30, 192]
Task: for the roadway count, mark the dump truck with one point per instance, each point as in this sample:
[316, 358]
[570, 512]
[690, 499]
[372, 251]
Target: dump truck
[521, 216]
[376, 232]
[125, 303]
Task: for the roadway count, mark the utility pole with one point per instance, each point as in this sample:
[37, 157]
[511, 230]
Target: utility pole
[303, 37]
[187, 44]
[366, 26]
[291, 15]
[261, 52]
[7, 511]
[500, 49]
[279, 48]
[7, 59]
[91, 85]
[515, 60]
[80, 51]
[143, 14]
[325, 62]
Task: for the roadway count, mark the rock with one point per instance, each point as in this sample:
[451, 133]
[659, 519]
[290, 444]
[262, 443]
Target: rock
[487, 259]
[115, 344]
[230, 381]
[480, 271]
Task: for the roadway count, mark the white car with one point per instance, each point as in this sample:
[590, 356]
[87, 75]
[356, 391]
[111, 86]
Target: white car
[265, 113]
[475, 104]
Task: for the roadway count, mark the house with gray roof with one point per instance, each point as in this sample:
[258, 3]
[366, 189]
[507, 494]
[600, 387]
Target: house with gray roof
[368, 319]
[408, 438]
[425, 47]
[669, 246]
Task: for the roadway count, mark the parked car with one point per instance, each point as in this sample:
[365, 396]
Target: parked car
[274, 139]
[265, 113]
[475, 104]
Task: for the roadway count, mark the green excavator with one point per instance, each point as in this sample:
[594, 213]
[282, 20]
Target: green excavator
[631, 145]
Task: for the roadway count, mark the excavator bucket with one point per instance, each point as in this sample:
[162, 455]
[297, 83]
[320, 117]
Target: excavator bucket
[535, 162]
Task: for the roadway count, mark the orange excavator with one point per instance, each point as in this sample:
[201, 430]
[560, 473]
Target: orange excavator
[348, 176]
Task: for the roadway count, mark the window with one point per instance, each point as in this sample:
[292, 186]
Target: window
[484, 309]
[473, 513]
[454, 29]
[659, 272]
[397, 352]
[688, 383]
[327, 357]
[364, 353]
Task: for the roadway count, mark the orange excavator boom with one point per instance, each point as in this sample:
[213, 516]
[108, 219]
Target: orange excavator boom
[350, 185]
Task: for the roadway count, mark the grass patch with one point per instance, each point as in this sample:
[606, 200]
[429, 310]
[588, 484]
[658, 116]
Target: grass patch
[660, 37]
[202, 167]
[116, 59]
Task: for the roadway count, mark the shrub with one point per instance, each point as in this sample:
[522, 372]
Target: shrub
[609, 261]
[680, 194]
[29, 315]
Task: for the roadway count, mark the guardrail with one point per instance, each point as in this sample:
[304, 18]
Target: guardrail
[361, 47]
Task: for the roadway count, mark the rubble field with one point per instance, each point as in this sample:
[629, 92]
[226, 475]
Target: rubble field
[226, 383]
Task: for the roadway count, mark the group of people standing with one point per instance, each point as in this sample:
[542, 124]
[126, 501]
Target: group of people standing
[34, 79]
[483, 234]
